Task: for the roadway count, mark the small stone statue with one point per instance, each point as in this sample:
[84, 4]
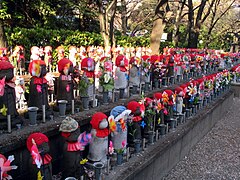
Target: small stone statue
[73, 55]
[7, 96]
[40, 163]
[48, 57]
[38, 90]
[65, 82]
[98, 148]
[88, 68]
[146, 71]
[72, 148]
[119, 114]
[134, 73]
[168, 101]
[134, 127]
[179, 100]
[121, 82]
[159, 108]
[35, 55]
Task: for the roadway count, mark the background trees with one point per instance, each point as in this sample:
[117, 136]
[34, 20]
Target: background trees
[214, 23]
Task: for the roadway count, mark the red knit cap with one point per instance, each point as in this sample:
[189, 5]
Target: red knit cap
[183, 86]
[146, 58]
[39, 138]
[155, 58]
[62, 63]
[5, 65]
[132, 60]
[133, 105]
[178, 90]
[96, 119]
[84, 63]
[169, 92]
[158, 95]
[148, 101]
[119, 59]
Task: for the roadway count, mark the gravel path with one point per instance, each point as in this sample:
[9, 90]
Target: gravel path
[217, 155]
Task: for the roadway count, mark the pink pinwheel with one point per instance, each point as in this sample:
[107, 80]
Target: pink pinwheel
[111, 149]
[5, 166]
[35, 155]
[84, 138]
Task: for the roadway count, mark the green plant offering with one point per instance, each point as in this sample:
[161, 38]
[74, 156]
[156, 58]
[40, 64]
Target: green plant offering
[83, 86]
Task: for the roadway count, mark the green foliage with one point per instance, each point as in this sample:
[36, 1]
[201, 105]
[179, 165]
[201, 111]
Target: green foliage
[55, 38]
[3, 11]
[83, 86]
[127, 41]
[149, 114]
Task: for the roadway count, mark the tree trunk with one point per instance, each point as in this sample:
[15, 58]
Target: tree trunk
[156, 35]
[158, 25]
[177, 23]
[124, 17]
[2, 35]
[104, 30]
[111, 32]
[193, 39]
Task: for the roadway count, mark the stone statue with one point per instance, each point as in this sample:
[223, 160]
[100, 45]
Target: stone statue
[65, 82]
[134, 72]
[40, 163]
[72, 148]
[137, 110]
[38, 90]
[121, 81]
[98, 148]
[119, 114]
[7, 96]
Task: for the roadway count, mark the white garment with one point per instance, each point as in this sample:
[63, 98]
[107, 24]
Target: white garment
[134, 78]
[120, 81]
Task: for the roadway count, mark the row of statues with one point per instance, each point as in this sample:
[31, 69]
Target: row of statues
[125, 127]
[121, 75]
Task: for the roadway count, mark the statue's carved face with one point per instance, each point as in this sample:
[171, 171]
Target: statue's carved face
[138, 112]
[68, 69]
[103, 124]
[43, 148]
[74, 136]
[7, 73]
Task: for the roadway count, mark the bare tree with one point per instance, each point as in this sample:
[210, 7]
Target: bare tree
[219, 10]
[195, 21]
[159, 24]
[106, 12]
[178, 20]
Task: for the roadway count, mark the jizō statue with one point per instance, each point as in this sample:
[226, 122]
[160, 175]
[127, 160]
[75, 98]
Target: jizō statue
[72, 148]
[121, 81]
[38, 90]
[98, 148]
[65, 82]
[40, 163]
[7, 95]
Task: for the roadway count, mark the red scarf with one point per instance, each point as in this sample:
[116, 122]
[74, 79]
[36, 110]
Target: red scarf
[74, 146]
[102, 133]
[46, 159]
[137, 118]
[123, 69]
[38, 80]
